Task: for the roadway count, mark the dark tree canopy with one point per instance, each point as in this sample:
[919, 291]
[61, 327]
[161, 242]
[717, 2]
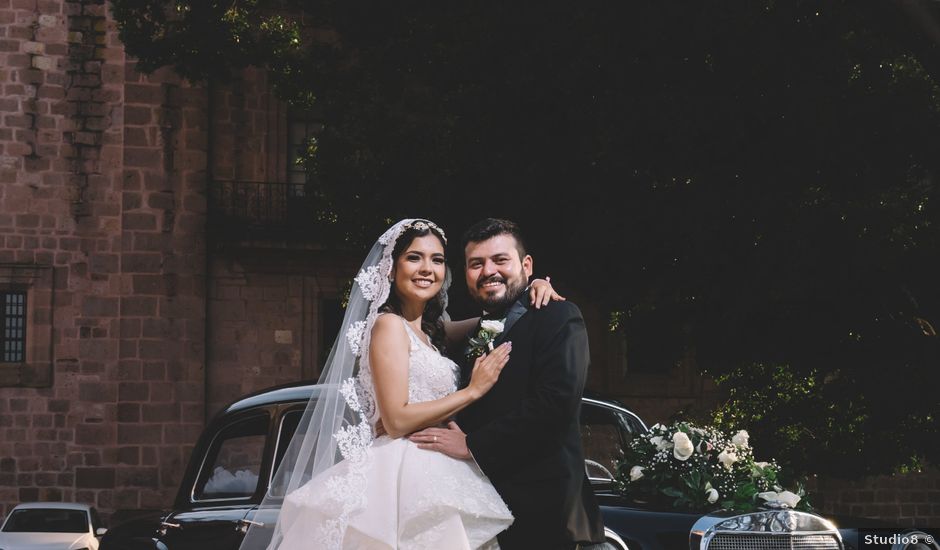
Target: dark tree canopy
[752, 180]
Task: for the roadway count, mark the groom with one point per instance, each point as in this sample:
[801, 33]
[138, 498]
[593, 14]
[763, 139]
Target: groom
[524, 433]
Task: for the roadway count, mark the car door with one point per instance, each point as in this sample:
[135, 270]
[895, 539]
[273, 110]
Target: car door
[262, 519]
[224, 490]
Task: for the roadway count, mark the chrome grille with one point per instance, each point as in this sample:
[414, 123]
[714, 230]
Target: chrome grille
[760, 541]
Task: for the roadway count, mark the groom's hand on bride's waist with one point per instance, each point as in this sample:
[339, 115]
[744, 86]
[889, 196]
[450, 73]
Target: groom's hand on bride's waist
[379, 428]
[450, 440]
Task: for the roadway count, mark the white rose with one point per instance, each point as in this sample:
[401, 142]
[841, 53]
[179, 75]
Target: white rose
[762, 464]
[636, 473]
[712, 495]
[740, 438]
[790, 499]
[682, 446]
[492, 326]
[786, 497]
[659, 443]
[727, 457]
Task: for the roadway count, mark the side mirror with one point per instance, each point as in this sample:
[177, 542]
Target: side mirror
[101, 531]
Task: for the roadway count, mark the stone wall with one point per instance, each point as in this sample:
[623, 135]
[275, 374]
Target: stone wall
[265, 295]
[103, 221]
[902, 499]
[160, 373]
[267, 310]
[102, 216]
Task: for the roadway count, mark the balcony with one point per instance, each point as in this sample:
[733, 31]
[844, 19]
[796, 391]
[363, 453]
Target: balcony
[253, 210]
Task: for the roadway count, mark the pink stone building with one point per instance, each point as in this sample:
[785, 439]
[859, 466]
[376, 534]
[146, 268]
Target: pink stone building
[125, 323]
[154, 266]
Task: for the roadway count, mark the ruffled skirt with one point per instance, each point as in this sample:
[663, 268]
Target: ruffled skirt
[397, 496]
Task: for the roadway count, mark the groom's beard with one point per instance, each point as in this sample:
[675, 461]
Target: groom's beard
[499, 304]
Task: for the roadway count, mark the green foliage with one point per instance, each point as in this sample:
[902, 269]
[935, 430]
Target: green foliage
[826, 423]
[749, 182]
[209, 40]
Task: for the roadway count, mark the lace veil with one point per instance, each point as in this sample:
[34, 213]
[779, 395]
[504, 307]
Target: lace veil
[338, 421]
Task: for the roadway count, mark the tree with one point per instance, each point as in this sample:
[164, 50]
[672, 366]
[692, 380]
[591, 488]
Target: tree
[756, 180]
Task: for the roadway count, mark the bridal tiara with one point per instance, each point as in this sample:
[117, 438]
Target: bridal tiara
[423, 225]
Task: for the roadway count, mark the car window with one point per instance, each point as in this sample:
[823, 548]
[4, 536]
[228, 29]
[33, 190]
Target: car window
[604, 434]
[46, 520]
[95, 521]
[289, 422]
[232, 464]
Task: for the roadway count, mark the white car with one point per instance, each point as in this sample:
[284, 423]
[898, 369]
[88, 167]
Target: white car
[51, 526]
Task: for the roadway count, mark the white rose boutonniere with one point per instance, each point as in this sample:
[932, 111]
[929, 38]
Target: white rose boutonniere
[636, 472]
[490, 329]
[492, 326]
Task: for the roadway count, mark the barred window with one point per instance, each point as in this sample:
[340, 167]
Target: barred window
[13, 326]
[302, 131]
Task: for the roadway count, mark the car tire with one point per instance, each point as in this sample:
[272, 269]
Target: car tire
[922, 541]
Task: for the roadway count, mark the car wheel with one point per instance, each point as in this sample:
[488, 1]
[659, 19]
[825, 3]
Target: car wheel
[916, 540]
[613, 541]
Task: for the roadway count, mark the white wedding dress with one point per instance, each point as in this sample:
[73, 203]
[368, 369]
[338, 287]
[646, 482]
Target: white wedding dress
[393, 495]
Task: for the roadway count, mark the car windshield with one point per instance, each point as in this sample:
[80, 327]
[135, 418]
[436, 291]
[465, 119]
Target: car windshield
[46, 520]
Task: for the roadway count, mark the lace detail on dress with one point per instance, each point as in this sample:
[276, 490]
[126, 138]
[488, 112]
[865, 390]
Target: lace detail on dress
[430, 375]
[349, 490]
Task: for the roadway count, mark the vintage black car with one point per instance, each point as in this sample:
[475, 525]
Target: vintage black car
[232, 464]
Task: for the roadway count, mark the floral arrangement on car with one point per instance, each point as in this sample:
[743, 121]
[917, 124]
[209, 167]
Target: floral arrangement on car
[702, 469]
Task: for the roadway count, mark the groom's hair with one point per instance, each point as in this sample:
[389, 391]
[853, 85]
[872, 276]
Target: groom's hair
[491, 227]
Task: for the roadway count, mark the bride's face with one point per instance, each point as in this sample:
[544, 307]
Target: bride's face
[419, 271]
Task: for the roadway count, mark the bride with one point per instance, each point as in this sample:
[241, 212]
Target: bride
[343, 487]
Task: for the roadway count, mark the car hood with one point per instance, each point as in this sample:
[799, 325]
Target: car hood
[46, 541]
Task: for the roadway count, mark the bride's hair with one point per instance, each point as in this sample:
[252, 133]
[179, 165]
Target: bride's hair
[431, 320]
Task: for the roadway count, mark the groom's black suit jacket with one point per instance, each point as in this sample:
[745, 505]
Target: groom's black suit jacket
[525, 432]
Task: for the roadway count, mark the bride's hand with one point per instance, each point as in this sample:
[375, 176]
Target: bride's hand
[486, 369]
[541, 292]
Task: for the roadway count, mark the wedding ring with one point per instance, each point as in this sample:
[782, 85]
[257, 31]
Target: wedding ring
[435, 439]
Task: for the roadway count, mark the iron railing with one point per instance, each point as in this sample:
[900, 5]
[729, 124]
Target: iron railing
[240, 207]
